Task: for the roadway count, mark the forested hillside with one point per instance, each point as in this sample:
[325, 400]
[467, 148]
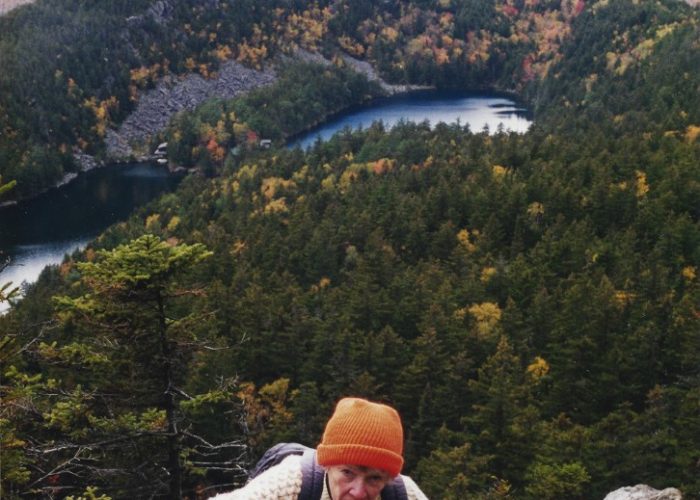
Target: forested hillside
[530, 303]
[73, 69]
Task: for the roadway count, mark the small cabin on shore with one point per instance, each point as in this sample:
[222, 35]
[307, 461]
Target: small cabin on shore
[161, 150]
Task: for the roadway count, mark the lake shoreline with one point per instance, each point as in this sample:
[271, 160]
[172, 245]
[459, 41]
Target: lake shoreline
[129, 142]
[65, 180]
[402, 103]
[92, 201]
[40, 232]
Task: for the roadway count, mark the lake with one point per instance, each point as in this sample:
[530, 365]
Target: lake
[477, 110]
[40, 232]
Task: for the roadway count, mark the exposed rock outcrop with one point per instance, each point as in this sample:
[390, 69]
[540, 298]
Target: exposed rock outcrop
[85, 162]
[160, 11]
[7, 5]
[644, 492]
[358, 66]
[157, 106]
[366, 68]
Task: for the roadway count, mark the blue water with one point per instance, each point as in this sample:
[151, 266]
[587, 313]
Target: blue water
[477, 110]
[42, 231]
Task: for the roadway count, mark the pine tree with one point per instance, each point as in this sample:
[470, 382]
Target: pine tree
[14, 386]
[503, 419]
[126, 422]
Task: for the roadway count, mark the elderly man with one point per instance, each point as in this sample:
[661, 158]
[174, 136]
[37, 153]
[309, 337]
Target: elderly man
[359, 458]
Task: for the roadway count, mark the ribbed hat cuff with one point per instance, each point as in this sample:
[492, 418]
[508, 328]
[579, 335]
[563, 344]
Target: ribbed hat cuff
[357, 454]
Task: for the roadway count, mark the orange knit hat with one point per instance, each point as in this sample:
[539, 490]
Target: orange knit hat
[363, 433]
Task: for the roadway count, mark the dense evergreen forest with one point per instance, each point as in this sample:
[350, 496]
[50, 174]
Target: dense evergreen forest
[73, 69]
[530, 303]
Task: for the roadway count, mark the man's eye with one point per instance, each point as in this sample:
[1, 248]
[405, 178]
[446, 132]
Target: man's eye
[348, 473]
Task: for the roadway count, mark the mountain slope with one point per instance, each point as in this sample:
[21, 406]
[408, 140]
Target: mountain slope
[530, 302]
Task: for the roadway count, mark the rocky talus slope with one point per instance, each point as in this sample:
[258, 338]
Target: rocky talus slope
[172, 95]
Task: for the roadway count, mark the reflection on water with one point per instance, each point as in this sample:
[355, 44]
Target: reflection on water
[478, 111]
[29, 260]
[145, 171]
[40, 232]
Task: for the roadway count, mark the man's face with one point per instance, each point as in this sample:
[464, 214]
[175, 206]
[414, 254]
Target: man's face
[354, 482]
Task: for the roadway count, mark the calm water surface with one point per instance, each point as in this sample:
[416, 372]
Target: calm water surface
[477, 110]
[40, 232]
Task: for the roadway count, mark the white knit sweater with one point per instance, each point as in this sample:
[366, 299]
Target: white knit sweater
[283, 482]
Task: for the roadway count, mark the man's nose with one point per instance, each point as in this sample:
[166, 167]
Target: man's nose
[358, 489]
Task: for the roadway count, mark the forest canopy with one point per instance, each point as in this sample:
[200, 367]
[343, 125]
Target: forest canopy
[529, 302]
[73, 70]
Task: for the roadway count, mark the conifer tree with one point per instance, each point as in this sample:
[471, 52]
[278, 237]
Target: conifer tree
[127, 422]
[503, 418]
[15, 387]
